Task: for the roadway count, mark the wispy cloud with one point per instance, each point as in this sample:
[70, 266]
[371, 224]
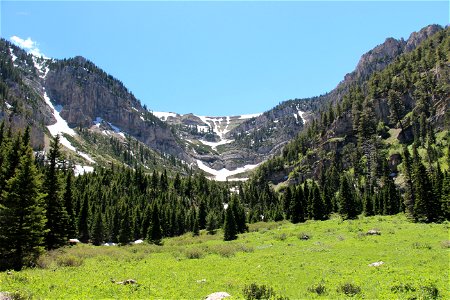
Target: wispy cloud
[29, 45]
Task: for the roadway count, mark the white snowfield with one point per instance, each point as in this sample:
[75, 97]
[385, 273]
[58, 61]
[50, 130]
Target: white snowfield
[163, 115]
[61, 127]
[249, 116]
[223, 174]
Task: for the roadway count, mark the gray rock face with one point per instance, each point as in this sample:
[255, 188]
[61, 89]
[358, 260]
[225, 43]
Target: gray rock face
[86, 93]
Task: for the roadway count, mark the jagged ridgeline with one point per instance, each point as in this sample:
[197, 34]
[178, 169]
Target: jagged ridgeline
[384, 143]
[99, 120]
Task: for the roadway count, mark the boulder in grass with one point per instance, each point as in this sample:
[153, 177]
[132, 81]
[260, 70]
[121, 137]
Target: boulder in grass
[73, 242]
[376, 264]
[217, 296]
[373, 232]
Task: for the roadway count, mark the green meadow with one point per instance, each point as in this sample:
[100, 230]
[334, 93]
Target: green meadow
[333, 263]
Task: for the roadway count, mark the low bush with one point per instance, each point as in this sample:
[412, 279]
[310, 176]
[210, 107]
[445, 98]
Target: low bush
[349, 289]
[319, 289]
[194, 253]
[255, 292]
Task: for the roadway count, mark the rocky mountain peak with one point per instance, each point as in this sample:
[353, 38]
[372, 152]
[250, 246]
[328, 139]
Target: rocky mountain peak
[418, 37]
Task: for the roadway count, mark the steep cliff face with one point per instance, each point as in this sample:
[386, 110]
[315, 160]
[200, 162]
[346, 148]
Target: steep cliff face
[267, 134]
[86, 94]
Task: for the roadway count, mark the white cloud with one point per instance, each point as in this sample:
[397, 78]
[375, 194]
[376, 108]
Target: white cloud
[29, 45]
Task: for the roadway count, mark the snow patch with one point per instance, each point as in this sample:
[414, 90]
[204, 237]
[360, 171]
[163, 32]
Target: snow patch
[221, 175]
[249, 116]
[301, 114]
[13, 56]
[214, 145]
[117, 130]
[41, 67]
[98, 121]
[164, 115]
[8, 106]
[80, 170]
[61, 125]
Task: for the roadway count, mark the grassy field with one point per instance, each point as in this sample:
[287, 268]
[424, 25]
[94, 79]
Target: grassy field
[332, 263]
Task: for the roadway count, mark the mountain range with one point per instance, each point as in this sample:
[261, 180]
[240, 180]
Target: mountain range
[102, 122]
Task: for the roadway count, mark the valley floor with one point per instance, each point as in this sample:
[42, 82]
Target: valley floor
[335, 259]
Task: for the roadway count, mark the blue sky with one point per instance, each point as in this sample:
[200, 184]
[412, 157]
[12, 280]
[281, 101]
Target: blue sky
[218, 58]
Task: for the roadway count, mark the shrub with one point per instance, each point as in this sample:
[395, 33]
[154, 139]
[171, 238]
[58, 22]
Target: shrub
[254, 292]
[319, 289]
[69, 261]
[281, 237]
[194, 253]
[403, 287]
[429, 291]
[445, 244]
[349, 289]
[304, 236]
[18, 295]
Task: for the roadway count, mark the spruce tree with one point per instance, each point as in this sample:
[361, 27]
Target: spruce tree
[154, 234]
[22, 216]
[125, 233]
[211, 223]
[57, 219]
[83, 221]
[68, 203]
[230, 228]
[409, 192]
[317, 204]
[427, 208]
[445, 197]
[98, 231]
[297, 207]
[347, 202]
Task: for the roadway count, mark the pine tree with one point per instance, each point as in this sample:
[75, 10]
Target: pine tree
[57, 218]
[22, 216]
[125, 233]
[98, 231]
[297, 209]
[154, 235]
[230, 228]
[83, 221]
[347, 202]
[317, 204]
[445, 197]
[211, 223]
[68, 203]
[195, 229]
[409, 193]
[427, 208]
[238, 213]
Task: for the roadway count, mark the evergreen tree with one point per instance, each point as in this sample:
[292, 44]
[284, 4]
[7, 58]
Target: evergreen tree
[125, 233]
[409, 192]
[83, 221]
[427, 207]
[297, 208]
[347, 202]
[317, 204]
[154, 235]
[22, 216]
[98, 231]
[202, 214]
[195, 229]
[445, 197]
[57, 219]
[68, 203]
[230, 228]
[238, 213]
[211, 223]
